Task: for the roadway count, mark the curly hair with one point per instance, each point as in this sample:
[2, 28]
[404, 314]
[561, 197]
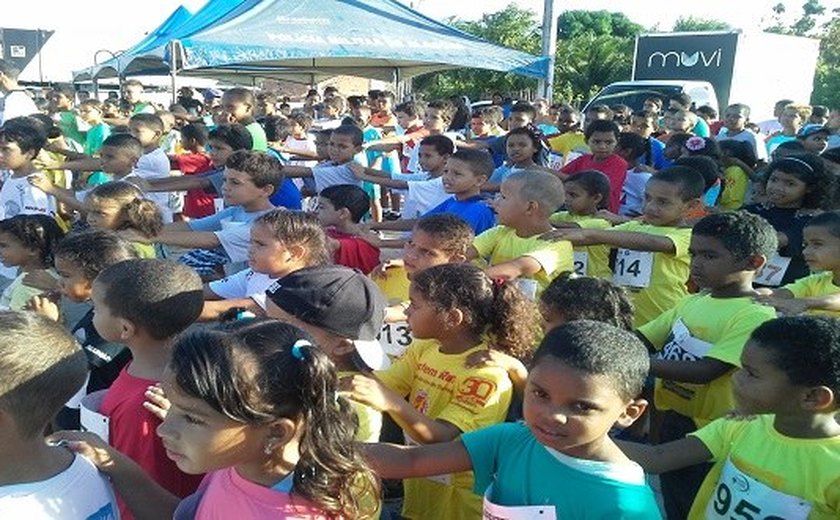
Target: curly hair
[135, 211]
[585, 298]
[35, 232]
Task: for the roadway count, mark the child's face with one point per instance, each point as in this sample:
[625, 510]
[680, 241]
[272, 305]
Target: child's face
[680, 123]
[602, 144]
[760, 386]
[664, 206]
[434, 120]
[404, 120]
[567, 122]
[219, 151]
[12, 251]
[72, 282]
[509, 205]
[734, 119]
[423, 318]
[790, 119]
[712, 265]
[133, 93]
[267, 254]
[431, 160]
[109, 326]
[642, 126]
[520, 149]
[362, 115]
[235, 110]
[571, 411]
[822, 249]
[239, 189]
[117, 161]
[342, 149]
[518, 120]
[12, 157]
[103, 214]
[322, 145]
[815, 143]
[327, 214]
[147, 136]
[579, 201]
[423, 251]
[458, 177]
[479, 126]
[89, 114]
[785, 190]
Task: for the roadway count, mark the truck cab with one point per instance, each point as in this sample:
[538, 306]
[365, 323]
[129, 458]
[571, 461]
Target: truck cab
[634, 93]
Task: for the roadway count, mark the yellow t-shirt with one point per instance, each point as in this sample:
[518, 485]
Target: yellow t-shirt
[370, 420]
[813, 286]
[144, 250]
[735, 185]
[501, 244]
[655, 280]
[568, 142]
[395, 337]
[589, 260]
[765, 474]
[440, 386]
[700, 326]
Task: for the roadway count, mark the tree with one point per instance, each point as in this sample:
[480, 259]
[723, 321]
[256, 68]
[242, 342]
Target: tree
[587, 63]
[692, 24]
[827, 76]
[571, 24]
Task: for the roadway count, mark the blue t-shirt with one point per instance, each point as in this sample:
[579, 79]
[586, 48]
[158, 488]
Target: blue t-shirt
[523, 472]
[501, 173]
[657, 155]
[473, 210]
[220, 220]
[288, 194]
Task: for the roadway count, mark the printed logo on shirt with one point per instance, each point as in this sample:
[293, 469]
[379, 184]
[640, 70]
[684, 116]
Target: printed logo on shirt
[106, 512]
[475, 391]
[421, 402]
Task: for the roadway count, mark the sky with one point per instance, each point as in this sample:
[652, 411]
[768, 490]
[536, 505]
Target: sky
[83, 27]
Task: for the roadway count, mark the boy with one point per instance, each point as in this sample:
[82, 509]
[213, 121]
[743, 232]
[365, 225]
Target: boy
[91, 112]
[683, 102]
[331, 111]
[780, 458]
[571, 144]
[61, 104]
[735, 119]
[20, 142]
[342, 310]
[154, 163]
[515, 248]
[601, 138]
[814, 138]
[42, 367]
[465, 173]
[194, 161]
[340, 209]
[699, 340]
[250, 179]
[238, 107]
[643, 124]
[143, 304]
[652, 255]
[585, 377]
[345, 142]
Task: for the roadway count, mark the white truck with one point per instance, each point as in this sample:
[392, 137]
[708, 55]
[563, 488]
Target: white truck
[719, 68]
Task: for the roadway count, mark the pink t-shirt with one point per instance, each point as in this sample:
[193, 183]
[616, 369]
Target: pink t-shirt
[226, 495]
[614, 167]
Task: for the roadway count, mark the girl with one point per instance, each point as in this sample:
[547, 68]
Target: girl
[587, 192]
[569, 298]
[632, 148]
[798, 187]
[255, 407]
[738, 161]
[27, 242]
[455, 310]
[119, 205]
[526, 148]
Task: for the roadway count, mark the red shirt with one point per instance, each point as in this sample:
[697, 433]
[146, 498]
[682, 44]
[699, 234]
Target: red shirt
[354, 252]
[197, 203]
[614, 167]
[131, 431]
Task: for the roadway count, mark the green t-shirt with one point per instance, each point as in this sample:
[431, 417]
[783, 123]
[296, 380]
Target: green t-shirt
[260, 143]
[95, 137]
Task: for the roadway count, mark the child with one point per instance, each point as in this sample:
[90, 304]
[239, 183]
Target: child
[814, 294]
[300, 142]
[798, 186]
[735, 119]
[631, 146]
[791, 119]
[652, 255]
[570, 298]
[91, 112]
[699, 340]
[120, 205]
[238, 107]
[27, 243]
[143, 304]
[250, 179]
[194, 160]
[814, 138]
[587, 192]
[525, 149]
[255, 407]
[738, 163]
[282, 242]
[455, 310]
[79, 258]
[20, 142]
[340, 209]
[602, 138]
[466, 172]
[42, 367]
[154, 163]
[781, 460]
[345, 143]
[585, 378]
[515, 248]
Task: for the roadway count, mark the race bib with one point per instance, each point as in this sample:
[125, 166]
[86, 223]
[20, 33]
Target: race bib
[738, 495]
[90, 418]
[772, 272]
[395, 338]
[445, 479]
[528, 287]
[555, 161]
[682, 346]
[496, 512]
[633, 268]
[581, 259]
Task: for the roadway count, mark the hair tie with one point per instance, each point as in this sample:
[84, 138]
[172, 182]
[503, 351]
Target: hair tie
[499, 281]
[800, 161]
[695, 144]
[297, 348]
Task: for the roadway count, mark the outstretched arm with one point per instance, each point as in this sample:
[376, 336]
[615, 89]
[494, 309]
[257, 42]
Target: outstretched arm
[393, 461]
[625, 239]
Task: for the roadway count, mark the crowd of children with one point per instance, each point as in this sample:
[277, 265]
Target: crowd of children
[215, 312]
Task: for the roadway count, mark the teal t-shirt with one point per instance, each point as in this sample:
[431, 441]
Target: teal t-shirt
[70, 127]
[260, 143]
[95, 137]
[523, 472]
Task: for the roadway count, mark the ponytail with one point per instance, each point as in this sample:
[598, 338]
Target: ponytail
[143, 216]
[513, 323]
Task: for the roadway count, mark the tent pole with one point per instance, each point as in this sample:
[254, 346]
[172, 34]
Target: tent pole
[549, 48]
[173, 68]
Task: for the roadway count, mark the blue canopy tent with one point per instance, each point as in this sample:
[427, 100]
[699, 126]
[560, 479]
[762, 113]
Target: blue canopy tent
[380, 39]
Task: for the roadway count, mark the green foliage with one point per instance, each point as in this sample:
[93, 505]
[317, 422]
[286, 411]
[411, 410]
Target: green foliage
[827, 78]
[692, 24]
[572, 24]
[587, 63]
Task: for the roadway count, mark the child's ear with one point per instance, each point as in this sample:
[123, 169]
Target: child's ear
[269, 189]
[632, 411]
[693, 205]
[127, 329]
[754, 262]
[819, 399]
[280, 433]
[297, 251]
[453, 318]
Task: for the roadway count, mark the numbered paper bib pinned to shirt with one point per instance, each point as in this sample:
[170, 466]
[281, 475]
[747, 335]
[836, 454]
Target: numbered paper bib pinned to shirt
[738, 495]
[90, 418]
[772, 272]
[395, 338]
[633, 268]
[496, 512]
[555, 161]
[682, 346]
[581, 259]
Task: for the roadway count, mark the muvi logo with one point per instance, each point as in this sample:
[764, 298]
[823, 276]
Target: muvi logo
[683, 59]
